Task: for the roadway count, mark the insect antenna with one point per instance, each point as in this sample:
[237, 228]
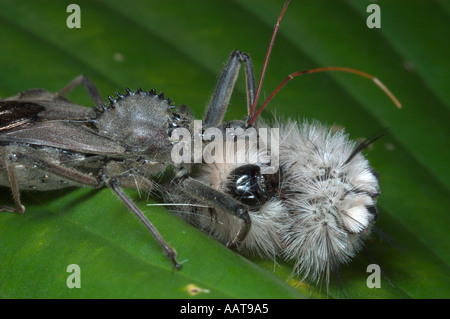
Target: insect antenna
[254, 114]
[325, 69]
[266, 61]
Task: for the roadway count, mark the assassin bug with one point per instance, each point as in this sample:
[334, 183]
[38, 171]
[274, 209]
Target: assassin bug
[49, 142]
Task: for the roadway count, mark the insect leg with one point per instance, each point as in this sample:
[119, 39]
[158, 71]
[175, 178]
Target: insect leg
[169, 251]
[87, 83]
[138, 182]
[222, 201]
[225, 85]
[14, 184]
[65, 172]
[30, 160]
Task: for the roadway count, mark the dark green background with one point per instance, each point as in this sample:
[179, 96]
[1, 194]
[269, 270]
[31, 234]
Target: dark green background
[179, 47]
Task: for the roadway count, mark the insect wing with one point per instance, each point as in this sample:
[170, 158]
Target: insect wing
[38, 105]
[14, 114]
[64, 135]
[39, 117]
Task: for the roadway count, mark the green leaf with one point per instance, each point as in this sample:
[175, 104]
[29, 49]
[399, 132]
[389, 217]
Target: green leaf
[179, 47]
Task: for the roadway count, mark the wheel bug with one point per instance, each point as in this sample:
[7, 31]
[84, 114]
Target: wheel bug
[43, 132]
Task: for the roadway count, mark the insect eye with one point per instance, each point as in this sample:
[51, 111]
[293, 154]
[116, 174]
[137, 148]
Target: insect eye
[247, 184]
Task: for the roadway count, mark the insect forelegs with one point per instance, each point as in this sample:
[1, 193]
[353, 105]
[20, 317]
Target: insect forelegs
[225, 85]
[223, 202]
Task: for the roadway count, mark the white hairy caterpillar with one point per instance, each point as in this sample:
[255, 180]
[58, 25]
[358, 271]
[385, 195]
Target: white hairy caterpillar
[331, 194]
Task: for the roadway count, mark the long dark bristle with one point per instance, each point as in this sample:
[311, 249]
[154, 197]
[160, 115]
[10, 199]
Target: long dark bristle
[364, 144]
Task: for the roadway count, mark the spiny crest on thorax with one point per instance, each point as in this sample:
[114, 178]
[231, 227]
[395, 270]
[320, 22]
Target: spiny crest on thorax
[138, 118]
[134, 99]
